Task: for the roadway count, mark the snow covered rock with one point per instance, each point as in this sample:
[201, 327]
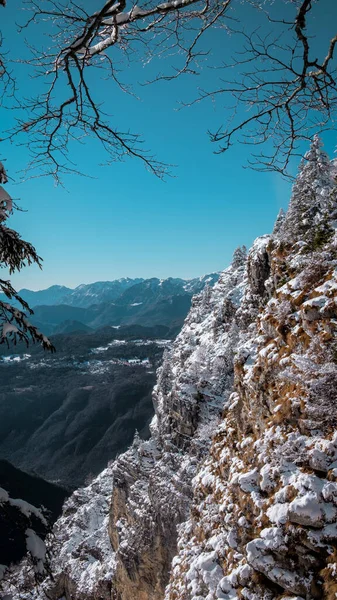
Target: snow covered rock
[120, 533]
[235, 494]
[264, 501]
[152, 481]
[81, 557]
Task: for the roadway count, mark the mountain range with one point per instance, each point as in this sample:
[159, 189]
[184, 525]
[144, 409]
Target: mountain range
[87, 294]
[146, 302]
[234, 495]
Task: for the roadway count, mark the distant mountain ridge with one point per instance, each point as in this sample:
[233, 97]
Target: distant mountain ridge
[52, 295]
[100, 292]
[125, 301]
[87, 294]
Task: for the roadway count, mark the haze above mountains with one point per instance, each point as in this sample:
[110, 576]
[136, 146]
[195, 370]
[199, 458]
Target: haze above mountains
[125, 301]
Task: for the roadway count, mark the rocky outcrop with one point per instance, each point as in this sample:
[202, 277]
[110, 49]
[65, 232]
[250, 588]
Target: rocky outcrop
[251, 514]
[80, 557]
[117, 537]
[263, 522]
[152, 481]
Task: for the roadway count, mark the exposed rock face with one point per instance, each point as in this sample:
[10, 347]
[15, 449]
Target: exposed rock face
[151, 483]
[263, 523]
[256, 509]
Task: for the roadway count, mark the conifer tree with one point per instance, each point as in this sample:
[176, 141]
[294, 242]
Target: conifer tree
[311, 195]
[15, 254]
[165, 373]
[206, 295]
[279, 221]
[239, 257]
[136, 439]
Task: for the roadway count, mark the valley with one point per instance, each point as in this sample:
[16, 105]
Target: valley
[64, 416]
[233, 495]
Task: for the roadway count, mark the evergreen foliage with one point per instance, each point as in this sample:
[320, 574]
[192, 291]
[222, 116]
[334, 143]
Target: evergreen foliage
[279, 221]
[15, 254]
[239, 257]
[311, 200]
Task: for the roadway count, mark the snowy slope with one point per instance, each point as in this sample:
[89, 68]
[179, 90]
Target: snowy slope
[151, 483]
[82, 558]
[263, 523]
[235, 494]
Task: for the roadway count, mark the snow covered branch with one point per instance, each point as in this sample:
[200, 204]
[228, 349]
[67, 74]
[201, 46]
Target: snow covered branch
[30, 523]
[70, 110]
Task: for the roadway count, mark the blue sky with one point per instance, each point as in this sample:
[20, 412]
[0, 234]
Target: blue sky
[125, 222]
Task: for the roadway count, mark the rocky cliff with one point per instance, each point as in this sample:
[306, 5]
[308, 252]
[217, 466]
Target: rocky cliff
[117, 537]
[235, 494]
[263, 522]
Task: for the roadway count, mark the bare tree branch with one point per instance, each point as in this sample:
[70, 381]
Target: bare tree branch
[288, 93]
[281, 95]
[289, 96]
[82, 41]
